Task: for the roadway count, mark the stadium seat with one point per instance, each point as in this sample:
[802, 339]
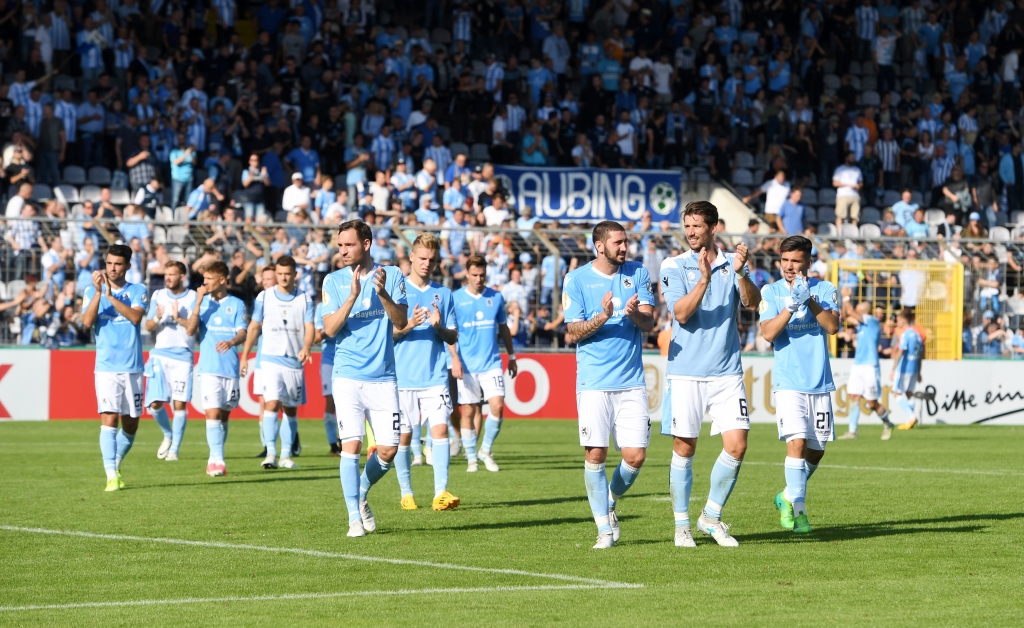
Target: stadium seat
[934, 216]
[869, 83]
[63, 81]
[831, 82]
[891, 198]
[810, 215]
[441, 36]
[89, 193]
[75, 175]
[180, 214]
[98, 175]
[917, 197]
[15, 287]
[459, 147]
[827, 196]
[744, 160]
[855, 82]
[177, 235]
[869, 231]
[870, 97]
[1018, 232]
[999, 234]
[933, 231]
[827, 229]
[41, 191]
[70, 192]
[742, 191]
[165, 214]
[810, 197]
[479, 68]
[120, 197]
[847, 230]
[444, 132]
[339, 182]
[826, 213]
[870, 215]
[742, 176]
[159, 235]
[854, 68]
[479, 151]
[1017, 218]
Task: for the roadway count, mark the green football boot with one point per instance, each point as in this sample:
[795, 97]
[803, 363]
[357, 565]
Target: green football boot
[120, 482]
[785, 511]
[801, 525]
[112, 485]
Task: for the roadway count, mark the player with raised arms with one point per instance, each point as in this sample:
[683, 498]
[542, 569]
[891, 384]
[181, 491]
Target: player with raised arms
[114, 309]
[328, 346]
[284, 317]
[704, 289]
[420, 349]
[481, 314]
[169, 368]
[865, 377]
[797, 316]
[906, 366]
[608, 307]
[362, 302]
[220, 323]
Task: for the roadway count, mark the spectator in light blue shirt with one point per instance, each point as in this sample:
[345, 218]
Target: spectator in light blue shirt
[904, 209]
[917, 228]
[305, 160]
[183, 159]
[792, 212]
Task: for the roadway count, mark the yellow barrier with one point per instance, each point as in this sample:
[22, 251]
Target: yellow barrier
[940, 297]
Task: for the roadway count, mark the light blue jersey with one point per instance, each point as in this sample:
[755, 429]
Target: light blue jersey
[612, 357]
[868, 334]
[708, 345]
[219, 321]
[171, 341]
[328, 345]
[801, 349]
[479, 316]
[913, 350]
[287, 361]
[365, 350]
[421, 352]
[118, 342]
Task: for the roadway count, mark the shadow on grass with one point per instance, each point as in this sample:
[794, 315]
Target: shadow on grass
[219, 482]
[852, 532]
[544, 502]
[499, 525]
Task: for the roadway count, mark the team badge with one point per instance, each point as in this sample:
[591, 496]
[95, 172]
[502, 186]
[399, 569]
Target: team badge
[437, 298]
[230, 310]
[691, 275]
[326, 297]
[834, 299]
[626, 282]
[401, 287]
[490, 302]
[566, 300]
[585, 431]
[664, 281]
[763, 307]
[725, 270]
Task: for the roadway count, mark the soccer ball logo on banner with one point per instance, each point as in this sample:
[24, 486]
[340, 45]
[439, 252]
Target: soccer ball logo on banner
[663, 198]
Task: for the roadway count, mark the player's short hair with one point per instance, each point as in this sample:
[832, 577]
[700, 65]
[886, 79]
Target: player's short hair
[704, 209]
[287, 261]
[217, 268]
[604, 230]
[362, 229]
[271, 267]
[121, 250]
[177, 265]
[476, 260]
[908, 315]
[428, 241]
[796, 243]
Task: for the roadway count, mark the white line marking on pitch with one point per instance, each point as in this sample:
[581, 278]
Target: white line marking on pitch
[320, 554]
[311, 596]
[900, 469]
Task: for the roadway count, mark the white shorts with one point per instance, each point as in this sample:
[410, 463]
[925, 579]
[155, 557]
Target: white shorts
[481, 387]
[257, 382]
[283, 384]
[904, 384]
[424, 406]
[325, 379]
[119, 393]
[178, 377]
[218, 391]
[724, 398]
[805, 415]
[865, 381]
[619, 413]
[357, 401]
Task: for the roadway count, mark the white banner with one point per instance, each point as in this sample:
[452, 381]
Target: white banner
[965, 392]
[24, 384]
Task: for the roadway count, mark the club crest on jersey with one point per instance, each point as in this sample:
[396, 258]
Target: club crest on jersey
[834, 299]
[626, 282]
[664, 281]
[229, 310]
[725, 270]
[437, 298]
[490, 302]
[401, 287]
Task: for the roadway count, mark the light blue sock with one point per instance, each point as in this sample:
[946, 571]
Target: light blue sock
[811, 468]
[270, 429]
[622, 478]
[160, 416]
[907, 406]
[492, 427]
[442, 458]
[293, 424]
[331, 427]
[415, 447]
[680, 482]
[854, 415]
[108, 449]
[373, 471]
[597, 493]
[723, 479]
[288, 432]
[402, 468]
[469, 442]
[215, 439]
[178, 429]
[225, 424]
[884, 416]
[796, 483]
[349, 470]
[124, 445]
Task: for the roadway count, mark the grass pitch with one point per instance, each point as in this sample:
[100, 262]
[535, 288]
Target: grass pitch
[923, 530]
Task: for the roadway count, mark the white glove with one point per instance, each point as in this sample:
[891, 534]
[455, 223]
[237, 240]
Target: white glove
[792, 305]
[801, 293]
